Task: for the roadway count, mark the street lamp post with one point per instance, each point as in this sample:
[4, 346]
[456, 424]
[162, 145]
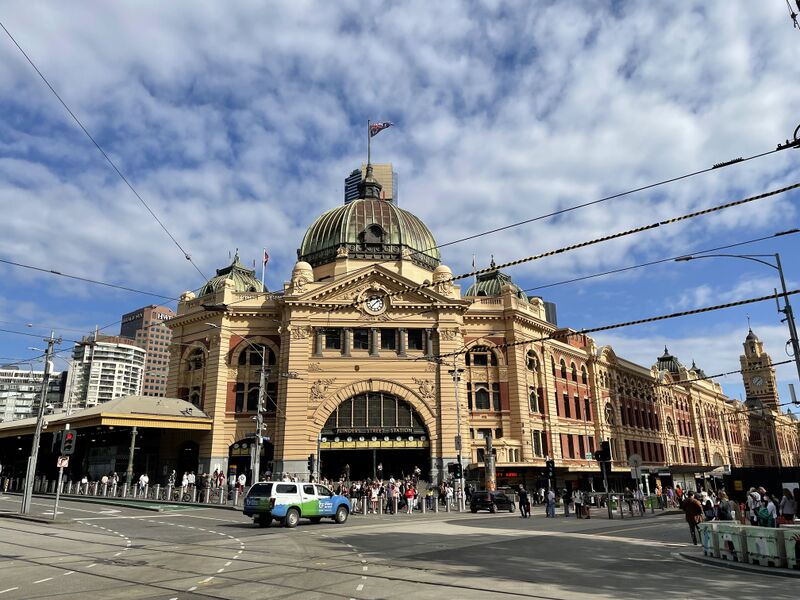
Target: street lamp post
[262, 397]
[787, 307]
[456, 374]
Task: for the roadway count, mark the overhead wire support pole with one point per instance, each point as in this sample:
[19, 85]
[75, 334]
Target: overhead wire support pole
[37, 434]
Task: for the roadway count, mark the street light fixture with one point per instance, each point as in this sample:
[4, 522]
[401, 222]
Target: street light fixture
[787, 307]
[262, 392]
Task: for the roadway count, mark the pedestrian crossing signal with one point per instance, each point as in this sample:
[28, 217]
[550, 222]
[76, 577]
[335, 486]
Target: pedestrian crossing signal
[68, 443]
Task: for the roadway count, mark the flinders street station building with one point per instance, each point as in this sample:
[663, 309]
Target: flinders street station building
[360, 361]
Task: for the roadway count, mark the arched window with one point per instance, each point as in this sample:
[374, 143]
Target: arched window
[482, 399]
[532, 361]
[609, 413]
[670, 426]
[584, 376]
[194, 397]
[553, 365]
[574, 371]
[371, 237]
[196, 360]
[563, 369]
[251, 355]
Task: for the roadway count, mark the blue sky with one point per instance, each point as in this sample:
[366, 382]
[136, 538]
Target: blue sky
[238, 122]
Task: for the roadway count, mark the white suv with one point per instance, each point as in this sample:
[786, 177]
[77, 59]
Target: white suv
[289, 501]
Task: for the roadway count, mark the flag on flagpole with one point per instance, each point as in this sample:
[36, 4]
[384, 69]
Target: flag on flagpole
[264, 266]
[376, 128]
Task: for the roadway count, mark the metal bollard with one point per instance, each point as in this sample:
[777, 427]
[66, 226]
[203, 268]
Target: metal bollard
[236, 496]
[69, 488]
[436, 504]
[394, 503]
[169, 492]
[380, 505]
[114, 489]
[447, 505]
[124, 490]
[208, 495]
[424, 500]
[105, 489]
[621, 502]
[222, 495]
[365, 503]
[652, 505]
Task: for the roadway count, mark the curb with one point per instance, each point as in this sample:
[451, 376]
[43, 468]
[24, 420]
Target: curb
[737, 566]
[19, 517]
[154, 505]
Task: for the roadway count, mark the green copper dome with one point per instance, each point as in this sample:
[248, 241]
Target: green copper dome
[244, 279]
[372, 229]
[491, 284]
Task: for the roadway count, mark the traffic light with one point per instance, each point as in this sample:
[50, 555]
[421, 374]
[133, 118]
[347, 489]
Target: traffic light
[311, 461]
[551, 468]
[68, 443]
[604, 453]
[457, 474]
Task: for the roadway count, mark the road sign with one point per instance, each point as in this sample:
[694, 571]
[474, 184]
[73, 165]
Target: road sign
[634, 460]
[62, 462]
[636, 473]
[588, 456]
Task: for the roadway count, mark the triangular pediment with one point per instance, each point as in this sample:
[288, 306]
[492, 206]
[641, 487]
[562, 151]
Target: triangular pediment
[376, 280]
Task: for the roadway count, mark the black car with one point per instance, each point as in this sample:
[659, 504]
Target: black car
[491, 501]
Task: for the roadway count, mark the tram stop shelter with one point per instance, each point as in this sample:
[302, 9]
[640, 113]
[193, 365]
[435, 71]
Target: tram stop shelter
[140, 434]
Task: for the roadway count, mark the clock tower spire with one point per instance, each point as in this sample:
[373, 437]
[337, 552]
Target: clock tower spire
[758, 373]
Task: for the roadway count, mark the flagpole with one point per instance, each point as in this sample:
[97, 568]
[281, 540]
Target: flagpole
[263, 267]
[369, 144]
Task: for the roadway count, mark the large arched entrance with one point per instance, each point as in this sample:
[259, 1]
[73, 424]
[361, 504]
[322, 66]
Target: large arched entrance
[374, 434]
[240, 456]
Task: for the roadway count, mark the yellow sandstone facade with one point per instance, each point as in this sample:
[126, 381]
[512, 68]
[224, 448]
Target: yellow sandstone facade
[360, 365]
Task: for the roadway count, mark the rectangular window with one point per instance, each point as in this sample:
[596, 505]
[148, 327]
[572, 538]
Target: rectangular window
[481, 397]
[581, 447]
[566, 406]
[333, 339]
[498, 433]
[239, 406]
[496, 396]
[537, 443]
[591, 444]
[416, 339]
[571, 446]
[484, 433]
[558, 404]
[479, 359]
[577, 407]
[388, 339]
[587, 410]
[360, 339]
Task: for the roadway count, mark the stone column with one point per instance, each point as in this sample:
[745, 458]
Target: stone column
[347, 341]
[428, 342]
[317, 341]
[401, 341]
[374, 342]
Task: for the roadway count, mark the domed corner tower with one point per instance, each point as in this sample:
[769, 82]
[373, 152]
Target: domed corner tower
[494, 283]
[242, 278]
[366, 231]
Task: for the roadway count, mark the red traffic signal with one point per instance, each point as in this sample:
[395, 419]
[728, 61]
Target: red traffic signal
[68, 443]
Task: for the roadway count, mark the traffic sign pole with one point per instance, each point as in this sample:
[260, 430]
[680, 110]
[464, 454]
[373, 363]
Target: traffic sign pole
[60, 479]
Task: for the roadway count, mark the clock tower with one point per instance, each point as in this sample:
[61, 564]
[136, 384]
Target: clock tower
[758, 373]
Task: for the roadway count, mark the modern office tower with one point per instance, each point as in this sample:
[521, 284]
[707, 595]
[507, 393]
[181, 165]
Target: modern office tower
[146, 326]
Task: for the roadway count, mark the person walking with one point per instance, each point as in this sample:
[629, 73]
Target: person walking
[725, 510]
[577, 500]
[753, 505]
[410, 493]
[524, 502]
[551, 504]
[693, 512]
[788, 507]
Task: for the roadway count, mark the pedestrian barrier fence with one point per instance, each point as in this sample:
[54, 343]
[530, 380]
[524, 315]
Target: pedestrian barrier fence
[732, 542]
[791, 539]
[765, 546]
[709, 538]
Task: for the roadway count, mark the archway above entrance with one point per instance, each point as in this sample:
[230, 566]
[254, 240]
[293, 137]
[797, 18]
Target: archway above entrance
[374, 434]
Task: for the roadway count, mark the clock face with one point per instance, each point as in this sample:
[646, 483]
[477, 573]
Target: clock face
[375, 304]
[758, 380]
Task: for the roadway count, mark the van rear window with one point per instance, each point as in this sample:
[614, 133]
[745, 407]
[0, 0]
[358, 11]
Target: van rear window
[261, 490]
[286, 488]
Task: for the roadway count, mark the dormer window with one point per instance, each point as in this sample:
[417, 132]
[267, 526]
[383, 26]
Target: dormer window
[371, 238]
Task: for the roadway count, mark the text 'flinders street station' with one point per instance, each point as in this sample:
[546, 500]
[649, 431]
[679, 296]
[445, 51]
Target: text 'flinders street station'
[352, 342]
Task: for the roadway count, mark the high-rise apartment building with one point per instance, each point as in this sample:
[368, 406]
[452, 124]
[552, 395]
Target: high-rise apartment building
[146, 326]
[21, 389]
[104, 367]
[382, 172]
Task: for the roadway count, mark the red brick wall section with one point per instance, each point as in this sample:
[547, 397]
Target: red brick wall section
[230, 398]
[504, 402]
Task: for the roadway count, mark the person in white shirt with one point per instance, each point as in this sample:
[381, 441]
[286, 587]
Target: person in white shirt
[551, 504]
[577, 500]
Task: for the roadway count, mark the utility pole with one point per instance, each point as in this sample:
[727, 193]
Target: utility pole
[129, 470]
[787, 310]
[262, 405]
[37, 434]
[456, 373]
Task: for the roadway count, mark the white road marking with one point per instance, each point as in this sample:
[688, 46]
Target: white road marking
[365, 568]
[228, 564]
[68, 573]
[207, 579]
[91, 565]
[9, 590]
[191, 589]
[359, 587]
[220, 570]
[43, 580]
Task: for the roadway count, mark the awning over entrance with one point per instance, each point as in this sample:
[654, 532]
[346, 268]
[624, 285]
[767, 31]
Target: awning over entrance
[126, 411]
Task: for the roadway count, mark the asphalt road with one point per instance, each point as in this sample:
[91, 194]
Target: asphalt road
[103, 552]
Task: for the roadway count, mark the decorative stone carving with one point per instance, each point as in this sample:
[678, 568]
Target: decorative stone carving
[319, 387]
[342, 252]
[300, 332]
[302, 275]
[443, 280]
[426, 387]
[188, 295]
[431, 368]
[449, 334]
[314, 367]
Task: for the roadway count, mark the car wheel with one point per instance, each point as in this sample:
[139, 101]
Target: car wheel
[315, 519]
[473, 510]
[264, 521]
[493, 508]
[341, 515]
[292, 518]
[511, 508]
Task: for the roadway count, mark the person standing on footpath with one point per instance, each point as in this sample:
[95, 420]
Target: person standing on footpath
[524, 502]
[693, 511]
[551, 504]
[788, 507]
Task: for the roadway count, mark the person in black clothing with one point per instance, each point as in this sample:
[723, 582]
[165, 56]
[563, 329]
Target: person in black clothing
[524, 502]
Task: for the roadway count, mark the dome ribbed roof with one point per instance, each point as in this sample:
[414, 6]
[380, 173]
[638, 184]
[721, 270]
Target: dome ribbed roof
[667, 362]
[244, 279]
[369, 228]
[491, 284]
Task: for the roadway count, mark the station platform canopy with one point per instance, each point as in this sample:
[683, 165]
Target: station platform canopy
[126, 411]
